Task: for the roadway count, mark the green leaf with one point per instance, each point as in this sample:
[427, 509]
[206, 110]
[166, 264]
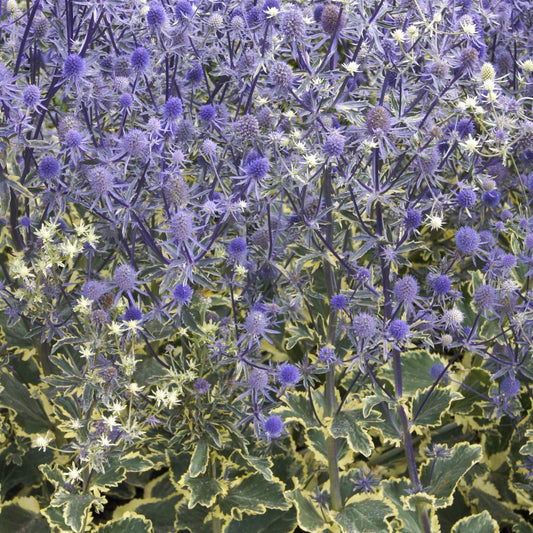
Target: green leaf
[259, 464]
[111, 477]
[130, 522]
[204, 490]
[178, 465]
[522, 527]
[479, 523]
[478, 381]
[309, 519]
[387, 421]
[13, 183]
[297, 409]
[53, 475]
[54, 516]
[22, 516]
[448, 471]
[77, 509]
[365, 515]
[497, 509]
[346, 424]
[273, 521]
[527, 448]
[134, 462]
[26, 471]
[394, 490]
[253, 495]
[160, 487]
[416, 365]
[29, 413]
[161, 512]
[316, 439]
[436, 406]
[193, 520]
[370, 402]
[299, 333]
[199, 459]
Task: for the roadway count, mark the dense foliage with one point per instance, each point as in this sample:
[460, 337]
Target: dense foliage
[266, 266]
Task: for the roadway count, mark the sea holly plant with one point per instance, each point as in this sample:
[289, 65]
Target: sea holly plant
[266, 266]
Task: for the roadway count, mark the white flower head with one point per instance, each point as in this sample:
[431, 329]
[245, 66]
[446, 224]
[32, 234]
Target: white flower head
[435, 222]
[42, 441]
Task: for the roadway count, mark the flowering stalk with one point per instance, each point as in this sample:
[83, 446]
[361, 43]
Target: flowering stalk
[396, 355]
[331, 400]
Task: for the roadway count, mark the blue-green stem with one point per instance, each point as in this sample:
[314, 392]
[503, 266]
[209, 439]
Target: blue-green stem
[331, 400]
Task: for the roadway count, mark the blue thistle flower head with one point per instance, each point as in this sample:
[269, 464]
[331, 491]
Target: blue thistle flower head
[195, 74]
[183, 10]
[74, 67]
[247, 128]
[378, 120]
[464, 127]
[412, 219]
[510, 387]
[442, 284]
[362, 274]
[256, 324]
[317, 13]
[140, 59]
[364, 325]
[436, 370]
[327, 355]
[466, 198]
[274, 427]
[288, 375]
[173, 108]
[237, 248]
[25, 222]
[49, 168]
[508, 261]
[32, 96]
[331, 18]
[254, 16]
[338, 302]
[207, 112]
[506, 215]
[398, 329]
[293, 25]
[184, 131]
[365, 482]
[201, 386]
[100, 180]
[467, 240]
[491, 198]
[281, 75]
[125, 278]
[156, 16]
[133, 313]
[93, 290]
[406, 289]
[73, 139]
[334, 145]
[135, 142]
[485, 297]
[258, 380]
[257, 168]
[182, 294]
[125, 101]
